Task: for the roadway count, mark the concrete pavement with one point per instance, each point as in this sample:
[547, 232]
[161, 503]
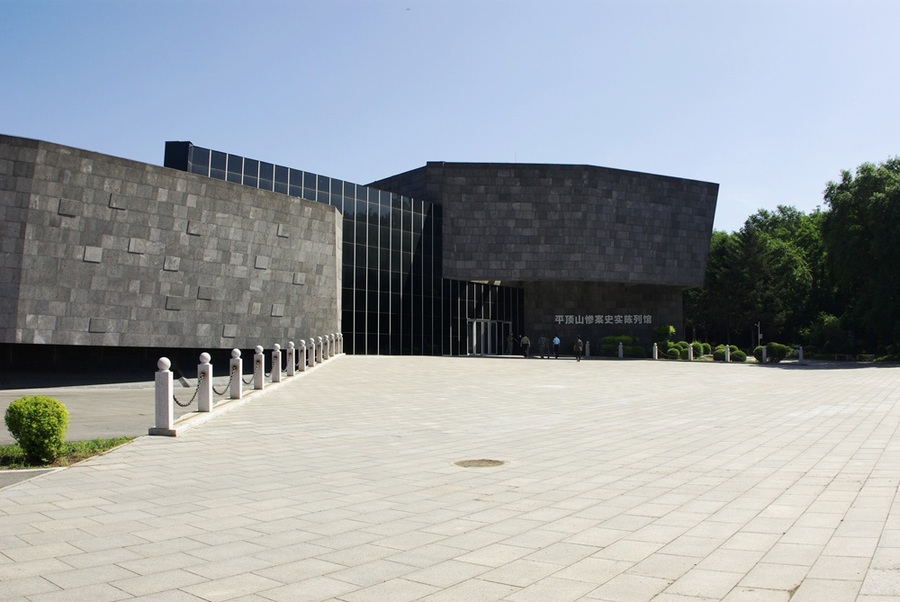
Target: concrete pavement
[620, 481]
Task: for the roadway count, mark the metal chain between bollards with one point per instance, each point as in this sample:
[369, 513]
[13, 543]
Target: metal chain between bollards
[227, 386]
[196, 391]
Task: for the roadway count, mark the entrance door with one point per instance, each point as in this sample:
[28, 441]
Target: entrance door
[486, 337]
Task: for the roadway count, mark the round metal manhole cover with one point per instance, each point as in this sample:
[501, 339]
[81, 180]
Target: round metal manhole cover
[482, 463]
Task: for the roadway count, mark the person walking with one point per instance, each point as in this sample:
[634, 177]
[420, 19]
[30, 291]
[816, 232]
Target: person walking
[578, 348]
[556, 346]
[525, 343]
[543, 347]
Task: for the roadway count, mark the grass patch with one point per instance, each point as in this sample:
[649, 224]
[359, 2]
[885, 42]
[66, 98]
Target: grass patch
[12, 457]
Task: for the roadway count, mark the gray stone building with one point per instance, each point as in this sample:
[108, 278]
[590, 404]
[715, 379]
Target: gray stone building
[101, 252]
[217, 251]
[597, 251]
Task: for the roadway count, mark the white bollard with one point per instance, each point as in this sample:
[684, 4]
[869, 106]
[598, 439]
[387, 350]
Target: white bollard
[259, 368]
[302, 358]
[800, 356]
[236, 367]
[621, 350]
[205, 384]
[312, 352]
[690, 353]
[276, 363]
[320, 348]
[763, 355]
[290, 358]
[655, 351]
[727, 353]
[340, 339]
[326, 350]
[165, 409]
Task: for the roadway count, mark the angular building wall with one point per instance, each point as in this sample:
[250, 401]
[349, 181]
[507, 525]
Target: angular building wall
[597, 251]
[101, 251]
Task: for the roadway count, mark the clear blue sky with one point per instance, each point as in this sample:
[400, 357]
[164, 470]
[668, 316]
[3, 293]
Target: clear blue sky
[769, 98]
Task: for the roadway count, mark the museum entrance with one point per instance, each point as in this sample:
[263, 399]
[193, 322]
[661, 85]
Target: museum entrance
[488, 337]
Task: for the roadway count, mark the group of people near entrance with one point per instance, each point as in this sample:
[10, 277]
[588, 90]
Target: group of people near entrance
[543, 347]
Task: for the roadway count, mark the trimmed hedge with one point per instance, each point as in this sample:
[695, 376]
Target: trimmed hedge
[38, 424]
[775, 352]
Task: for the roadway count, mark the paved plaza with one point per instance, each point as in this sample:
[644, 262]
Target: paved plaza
[620, 481]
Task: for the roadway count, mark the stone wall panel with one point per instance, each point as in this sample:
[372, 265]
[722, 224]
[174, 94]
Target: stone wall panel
[139, 255]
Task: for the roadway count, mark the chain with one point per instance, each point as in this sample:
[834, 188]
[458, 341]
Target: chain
[228, 386]
[196, 391]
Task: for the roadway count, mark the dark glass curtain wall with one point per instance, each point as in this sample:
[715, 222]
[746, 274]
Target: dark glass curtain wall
[394, 299]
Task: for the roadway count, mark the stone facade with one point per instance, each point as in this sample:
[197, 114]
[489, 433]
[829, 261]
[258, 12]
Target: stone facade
[593, 310]
[585, 243]
[524, 222]
[102, 251]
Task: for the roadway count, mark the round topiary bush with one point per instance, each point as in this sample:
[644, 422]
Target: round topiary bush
[673, 353]
[38, 424]
[719, 353]
[738, 356]
[697, 346]
[757, 353]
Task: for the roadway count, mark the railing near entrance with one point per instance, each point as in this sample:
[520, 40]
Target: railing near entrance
[295, 360]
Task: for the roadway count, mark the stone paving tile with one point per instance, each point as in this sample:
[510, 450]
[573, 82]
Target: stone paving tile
[761, 484]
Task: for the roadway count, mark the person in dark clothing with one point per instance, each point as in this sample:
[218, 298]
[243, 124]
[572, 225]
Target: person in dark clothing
[578, 348]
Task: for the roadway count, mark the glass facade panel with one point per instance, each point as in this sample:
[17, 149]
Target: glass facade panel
[217, 164]
[235, 169]
[251, 173]
[394, 298]
[199, 158]
[266, 175]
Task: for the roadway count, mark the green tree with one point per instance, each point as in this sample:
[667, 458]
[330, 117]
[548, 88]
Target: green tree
[862, 235]
[771, 271]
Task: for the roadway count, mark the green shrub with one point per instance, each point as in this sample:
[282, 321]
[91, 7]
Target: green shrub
[682, 344]
[38, 424]
[635, 351]
[775, 352]
[757, 353]
[673, 353]
[707, 348]
[683, 352]
[698, 349]
[736, 354]
[663, 333]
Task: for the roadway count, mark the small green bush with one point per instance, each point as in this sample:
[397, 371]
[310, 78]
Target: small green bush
[736, 354]
[663, 333]
[683, 352]
[673, 353]
[38, 424]
[757, 353]
[698, 349]
[707, 348]
[635, 351]
[775, 352]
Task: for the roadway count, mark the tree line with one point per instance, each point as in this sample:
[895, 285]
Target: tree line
[828, 280]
